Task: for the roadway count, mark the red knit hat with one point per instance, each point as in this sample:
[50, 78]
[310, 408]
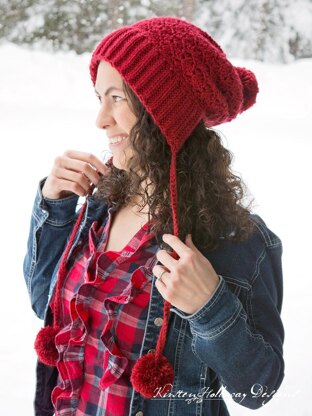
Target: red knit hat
[181, 76]
[179, 73]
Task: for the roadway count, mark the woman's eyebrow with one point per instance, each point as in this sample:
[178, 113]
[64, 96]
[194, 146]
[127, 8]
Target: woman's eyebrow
[108, 90]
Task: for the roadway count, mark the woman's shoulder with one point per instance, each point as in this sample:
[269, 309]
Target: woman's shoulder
[239, 260]
[260, 236]
[263, 233]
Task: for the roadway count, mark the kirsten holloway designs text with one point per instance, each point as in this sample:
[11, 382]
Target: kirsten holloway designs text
[207, 393]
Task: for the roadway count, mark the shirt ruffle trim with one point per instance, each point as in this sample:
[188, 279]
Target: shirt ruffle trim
[70, 341]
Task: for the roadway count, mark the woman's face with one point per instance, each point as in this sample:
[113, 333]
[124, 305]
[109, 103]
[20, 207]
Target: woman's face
[115, 115]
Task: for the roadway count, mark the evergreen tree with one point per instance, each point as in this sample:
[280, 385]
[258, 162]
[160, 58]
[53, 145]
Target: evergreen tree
[11, 14]
[258, 29]
[266, 30]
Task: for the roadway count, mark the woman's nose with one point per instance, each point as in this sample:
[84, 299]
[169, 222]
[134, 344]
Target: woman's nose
[104, 118]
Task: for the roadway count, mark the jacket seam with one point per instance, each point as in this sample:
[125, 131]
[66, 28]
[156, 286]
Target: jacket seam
[269, 241]
[221, 329]
[254, 335]
[257, 268]
[177, 360]
[33, 260]
[243, 284]
[57, 223]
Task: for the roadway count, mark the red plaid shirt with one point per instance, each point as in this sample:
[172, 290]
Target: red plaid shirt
[105, 300]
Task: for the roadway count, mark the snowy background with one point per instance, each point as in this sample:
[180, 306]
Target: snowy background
[47, 105]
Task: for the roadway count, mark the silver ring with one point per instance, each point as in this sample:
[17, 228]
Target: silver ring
[160, 277]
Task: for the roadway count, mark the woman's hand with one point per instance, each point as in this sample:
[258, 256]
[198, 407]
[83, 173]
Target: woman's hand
[73, 173]
[188, 282]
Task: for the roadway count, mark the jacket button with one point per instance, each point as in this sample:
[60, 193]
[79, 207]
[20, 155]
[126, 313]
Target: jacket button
[151, 351]
[139, 413]
[158, 321]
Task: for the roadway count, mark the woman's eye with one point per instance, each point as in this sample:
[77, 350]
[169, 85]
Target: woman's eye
[117, 98]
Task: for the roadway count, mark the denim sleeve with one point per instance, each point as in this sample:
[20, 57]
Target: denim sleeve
[50, 225]
[244, 346]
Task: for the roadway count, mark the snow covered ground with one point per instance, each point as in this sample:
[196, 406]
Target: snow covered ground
[47, 105]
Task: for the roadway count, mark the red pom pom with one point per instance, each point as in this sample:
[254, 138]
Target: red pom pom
[45, 345]
[150, 375]
[250, 87]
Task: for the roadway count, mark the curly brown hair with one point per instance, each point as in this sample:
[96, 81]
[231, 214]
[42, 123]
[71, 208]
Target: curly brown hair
[210, 195]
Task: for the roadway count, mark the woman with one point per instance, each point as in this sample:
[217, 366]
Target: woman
[164, 286]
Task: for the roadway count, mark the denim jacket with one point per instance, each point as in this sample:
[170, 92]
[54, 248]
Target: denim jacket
[234, 340]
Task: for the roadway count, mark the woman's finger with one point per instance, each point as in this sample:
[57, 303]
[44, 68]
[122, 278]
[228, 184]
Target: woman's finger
[88, 158]
[74, 172]
[161, 273]
[84, 169]
[166, 259]
[177, 245]
[63, 188]
[77, 177]
[161, 287]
